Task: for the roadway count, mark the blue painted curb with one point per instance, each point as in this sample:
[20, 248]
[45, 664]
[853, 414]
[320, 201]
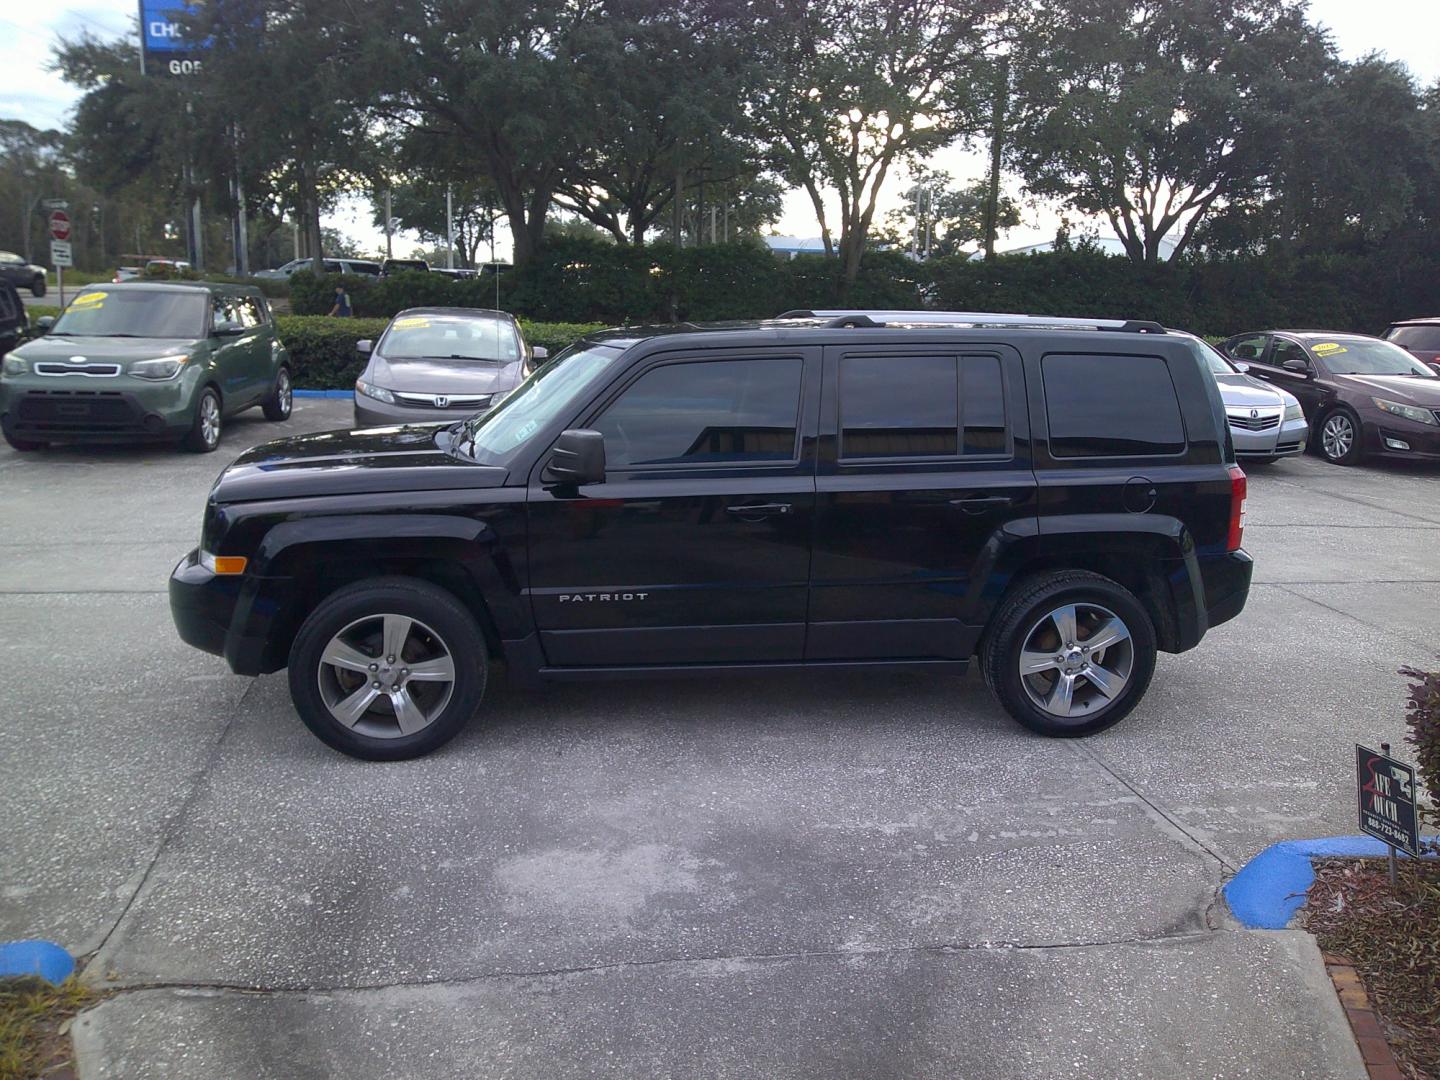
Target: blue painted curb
[1271, 887]
[43, 958]
[323, 393]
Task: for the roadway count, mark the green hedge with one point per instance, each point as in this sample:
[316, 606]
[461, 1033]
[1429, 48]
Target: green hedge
[323, 349]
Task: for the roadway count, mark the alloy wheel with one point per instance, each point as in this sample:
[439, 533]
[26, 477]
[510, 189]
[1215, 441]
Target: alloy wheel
[1076, 660]
[284, 394]
[386, 676]
[1337, 436]
[210, 420]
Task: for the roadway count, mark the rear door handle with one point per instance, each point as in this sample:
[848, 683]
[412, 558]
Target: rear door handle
[978, 504]
[758, 510]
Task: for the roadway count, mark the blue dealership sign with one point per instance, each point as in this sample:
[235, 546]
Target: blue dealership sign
[164, 49]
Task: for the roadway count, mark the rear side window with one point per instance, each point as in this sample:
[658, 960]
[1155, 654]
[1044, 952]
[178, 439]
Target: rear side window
[1111, 406]
[710, 412]
[921, 406]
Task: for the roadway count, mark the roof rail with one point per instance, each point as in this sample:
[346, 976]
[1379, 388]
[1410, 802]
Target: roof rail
[796, 313]
[1142, 326]
[850, 322]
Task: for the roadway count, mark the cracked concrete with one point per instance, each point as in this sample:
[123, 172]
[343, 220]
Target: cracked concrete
[786, 876]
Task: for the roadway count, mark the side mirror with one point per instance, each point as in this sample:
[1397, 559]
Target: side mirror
[1434, 364]
[578, 457]
[1299, 367]
[229, 330]
[44, 323]
[363, 347]
[1241, 366]
[539, 352]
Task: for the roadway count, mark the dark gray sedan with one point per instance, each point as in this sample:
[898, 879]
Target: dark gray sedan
[439, 364]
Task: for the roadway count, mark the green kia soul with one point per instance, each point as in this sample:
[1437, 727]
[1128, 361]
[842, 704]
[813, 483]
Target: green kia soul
[146, 360]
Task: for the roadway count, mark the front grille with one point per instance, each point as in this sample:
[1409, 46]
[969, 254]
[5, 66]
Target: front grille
[431, 401]
[1246, 422]
[94, 371]
[76, 410]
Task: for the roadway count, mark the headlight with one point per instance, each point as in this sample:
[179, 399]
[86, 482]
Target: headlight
[1293, 411]
[379, 393]
[15, 365]
[159, 369]
[1407, 412]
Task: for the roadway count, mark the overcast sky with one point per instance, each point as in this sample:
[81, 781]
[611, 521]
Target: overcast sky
[1406, 30]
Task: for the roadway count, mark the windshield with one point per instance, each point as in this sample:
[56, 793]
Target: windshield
[450, 337]
[501, 431]
[157, 313]
[1366, 356]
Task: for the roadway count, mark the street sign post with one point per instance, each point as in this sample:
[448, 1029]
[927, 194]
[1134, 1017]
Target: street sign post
[1386, 792]
[55, 204]
[60, 248]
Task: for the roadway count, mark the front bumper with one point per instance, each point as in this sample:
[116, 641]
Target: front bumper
[1285, 439]
[229, 616]
[85, 412]
[1402, 440]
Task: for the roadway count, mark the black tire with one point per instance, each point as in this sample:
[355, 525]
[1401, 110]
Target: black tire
[205, 430]
[1330, 447]
[24, 445]
[445, 627]
[37, 287]
[278, 404]
[1021, 616]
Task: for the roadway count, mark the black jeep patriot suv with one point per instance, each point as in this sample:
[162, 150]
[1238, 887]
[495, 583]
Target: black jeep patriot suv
[1060, 501]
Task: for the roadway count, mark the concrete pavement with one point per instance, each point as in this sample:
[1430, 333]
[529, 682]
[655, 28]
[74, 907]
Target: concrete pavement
[865, 875]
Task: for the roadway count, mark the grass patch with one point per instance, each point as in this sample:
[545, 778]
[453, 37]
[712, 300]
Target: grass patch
[34, 1025]
[1392, 936]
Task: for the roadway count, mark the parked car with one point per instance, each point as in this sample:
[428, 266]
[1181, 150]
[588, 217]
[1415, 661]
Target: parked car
[147, 360]
[13, 320]
[1057, 502]
[22, 274]
[1419, 337]
[367, 267]
[127, 273]
[456, 272]
[1362, 395]
[436, 363]
[1266, 423]
[396, 266]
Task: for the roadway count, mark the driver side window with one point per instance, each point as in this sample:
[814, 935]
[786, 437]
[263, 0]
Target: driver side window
[1288, 350]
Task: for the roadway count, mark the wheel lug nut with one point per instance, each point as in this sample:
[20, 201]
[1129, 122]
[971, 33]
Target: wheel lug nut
[374, 667]
[376, 685]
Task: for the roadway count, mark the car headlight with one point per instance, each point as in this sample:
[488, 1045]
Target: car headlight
[1406, 412]
[1293, 411]
[15, 365]
[379, 393]
[159, 369]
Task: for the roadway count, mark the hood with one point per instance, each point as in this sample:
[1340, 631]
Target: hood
[457, 377]
[1247, 392]
[409, 458]
[114, 349]
[1407, 389]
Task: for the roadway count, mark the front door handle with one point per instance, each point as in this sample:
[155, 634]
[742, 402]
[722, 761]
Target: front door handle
[978, 504]
[756, 511]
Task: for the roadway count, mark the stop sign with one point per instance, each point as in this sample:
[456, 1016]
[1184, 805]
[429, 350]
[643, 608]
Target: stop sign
[59, 225]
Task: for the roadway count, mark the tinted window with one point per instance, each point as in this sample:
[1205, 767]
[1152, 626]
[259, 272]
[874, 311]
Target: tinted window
[164, 313]
[1100, 406]
[1247, 348]
[1424, 338]
[715, 411]
[912, 406]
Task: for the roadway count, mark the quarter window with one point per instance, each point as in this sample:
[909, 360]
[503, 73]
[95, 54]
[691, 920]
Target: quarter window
[921, 406]
[715, 411]
[1111, 406]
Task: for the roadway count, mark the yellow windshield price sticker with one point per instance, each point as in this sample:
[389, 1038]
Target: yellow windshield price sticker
[89, 299]
[412, 323]
[1328, 348]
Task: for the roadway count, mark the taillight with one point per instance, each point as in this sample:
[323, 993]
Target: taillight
[1237, 508]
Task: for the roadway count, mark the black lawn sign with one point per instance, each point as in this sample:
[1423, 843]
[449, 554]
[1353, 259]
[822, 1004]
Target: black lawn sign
[1386, 789]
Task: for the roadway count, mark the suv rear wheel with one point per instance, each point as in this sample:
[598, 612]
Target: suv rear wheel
[1069, 653]
[388, 669]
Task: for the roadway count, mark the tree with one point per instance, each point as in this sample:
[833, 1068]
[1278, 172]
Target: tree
[418, 203]
[29, 170]
[956, 216]
[1153, 112]
[859, 85]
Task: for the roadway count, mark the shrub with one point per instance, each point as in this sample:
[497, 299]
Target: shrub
[1422, 716]
[323, 350]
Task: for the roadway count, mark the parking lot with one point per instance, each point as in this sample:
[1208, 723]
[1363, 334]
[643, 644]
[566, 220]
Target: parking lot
[794, 875]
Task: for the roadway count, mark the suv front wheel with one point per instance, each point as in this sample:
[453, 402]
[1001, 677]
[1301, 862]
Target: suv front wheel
[1069, 653]
[387, 669]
